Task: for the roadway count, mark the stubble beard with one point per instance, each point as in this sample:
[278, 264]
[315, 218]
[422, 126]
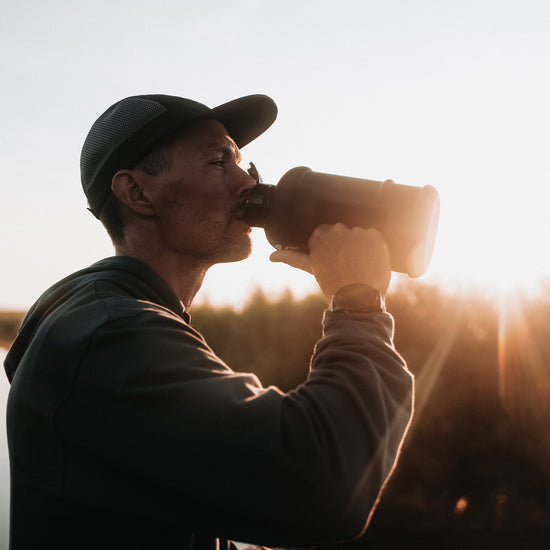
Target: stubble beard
[225, 247]
[236, 251]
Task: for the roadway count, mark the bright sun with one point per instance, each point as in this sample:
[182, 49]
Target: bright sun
[501, 249]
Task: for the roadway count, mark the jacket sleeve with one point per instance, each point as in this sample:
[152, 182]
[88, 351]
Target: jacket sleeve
[168, 431]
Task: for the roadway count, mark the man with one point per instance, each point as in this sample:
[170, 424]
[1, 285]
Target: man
[126, 431]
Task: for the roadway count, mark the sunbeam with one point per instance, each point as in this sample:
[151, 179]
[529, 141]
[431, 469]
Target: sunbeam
[428, 376]
[524, 380]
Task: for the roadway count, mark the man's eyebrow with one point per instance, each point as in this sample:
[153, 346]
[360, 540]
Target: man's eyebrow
[226, 149]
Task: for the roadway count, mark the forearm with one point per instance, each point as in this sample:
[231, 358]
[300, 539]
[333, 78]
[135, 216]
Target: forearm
[357, 404]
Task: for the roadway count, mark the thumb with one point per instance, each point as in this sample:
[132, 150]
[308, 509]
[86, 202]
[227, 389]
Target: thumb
[293, 258]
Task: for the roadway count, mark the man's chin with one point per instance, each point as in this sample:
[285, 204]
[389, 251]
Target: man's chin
[235, 251]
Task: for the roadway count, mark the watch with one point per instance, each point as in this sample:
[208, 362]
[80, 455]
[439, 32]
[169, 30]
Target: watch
[357, 298]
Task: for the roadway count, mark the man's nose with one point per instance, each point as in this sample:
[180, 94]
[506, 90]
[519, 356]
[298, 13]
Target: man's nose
[245, 181]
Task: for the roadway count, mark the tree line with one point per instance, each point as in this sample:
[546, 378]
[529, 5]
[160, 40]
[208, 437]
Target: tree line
[475, 467]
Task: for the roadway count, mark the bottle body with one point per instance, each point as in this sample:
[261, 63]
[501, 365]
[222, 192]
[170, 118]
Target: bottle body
[302, 200]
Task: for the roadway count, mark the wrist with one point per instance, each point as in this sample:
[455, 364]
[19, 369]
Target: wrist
[358, 298]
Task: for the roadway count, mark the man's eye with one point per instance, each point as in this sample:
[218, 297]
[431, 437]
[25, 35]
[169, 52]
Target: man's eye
[218, 162]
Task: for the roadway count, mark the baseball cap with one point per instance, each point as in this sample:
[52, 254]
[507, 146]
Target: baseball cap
[130, 128]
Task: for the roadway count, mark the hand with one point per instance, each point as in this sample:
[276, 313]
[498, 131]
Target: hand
[340, 256]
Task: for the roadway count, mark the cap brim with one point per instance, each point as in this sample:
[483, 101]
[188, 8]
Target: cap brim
[245, 118]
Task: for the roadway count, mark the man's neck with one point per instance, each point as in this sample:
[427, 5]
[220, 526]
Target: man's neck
[184, 274]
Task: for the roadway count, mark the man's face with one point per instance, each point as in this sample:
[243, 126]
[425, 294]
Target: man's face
[199, 200]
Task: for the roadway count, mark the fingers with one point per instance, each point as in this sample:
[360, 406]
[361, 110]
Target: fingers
[340, 256]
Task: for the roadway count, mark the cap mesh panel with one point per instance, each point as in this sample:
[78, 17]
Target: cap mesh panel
[111, 130]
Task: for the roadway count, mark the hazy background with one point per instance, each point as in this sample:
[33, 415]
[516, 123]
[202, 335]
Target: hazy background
[452, 94]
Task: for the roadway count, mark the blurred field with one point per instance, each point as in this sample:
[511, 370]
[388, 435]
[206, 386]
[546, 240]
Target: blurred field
[9, 323]
[475, 469]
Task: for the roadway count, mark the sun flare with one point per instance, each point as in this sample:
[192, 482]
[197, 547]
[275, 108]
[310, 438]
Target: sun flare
[498, 249]
[522, 373]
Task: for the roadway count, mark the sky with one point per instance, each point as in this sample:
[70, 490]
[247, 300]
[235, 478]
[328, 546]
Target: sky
[452, 94]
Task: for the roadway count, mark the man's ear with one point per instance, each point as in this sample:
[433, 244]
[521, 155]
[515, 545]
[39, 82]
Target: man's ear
[128, 187]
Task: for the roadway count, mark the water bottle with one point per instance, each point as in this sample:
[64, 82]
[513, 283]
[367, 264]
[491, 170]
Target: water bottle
[290, 211]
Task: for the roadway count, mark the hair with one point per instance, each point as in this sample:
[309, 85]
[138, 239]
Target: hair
[112, 219]
[153, 163]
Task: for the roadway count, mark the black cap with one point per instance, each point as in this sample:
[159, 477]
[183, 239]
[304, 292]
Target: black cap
[127, 130]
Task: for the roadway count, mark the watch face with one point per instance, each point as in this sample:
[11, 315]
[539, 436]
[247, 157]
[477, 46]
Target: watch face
[357, 298]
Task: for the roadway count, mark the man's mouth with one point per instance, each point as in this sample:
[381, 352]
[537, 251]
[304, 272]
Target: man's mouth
[239, 211]
[238, 214]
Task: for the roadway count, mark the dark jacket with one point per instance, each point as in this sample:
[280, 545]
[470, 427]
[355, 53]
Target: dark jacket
[126, 430]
